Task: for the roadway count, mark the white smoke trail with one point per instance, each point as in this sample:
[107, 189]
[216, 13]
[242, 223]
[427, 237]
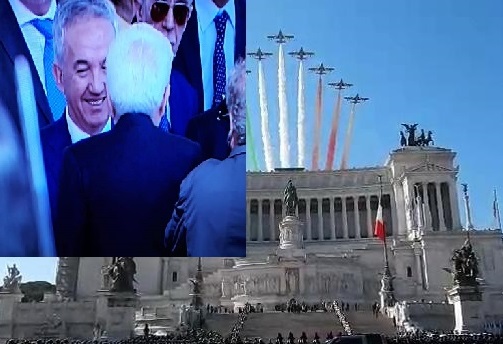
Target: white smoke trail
[284, 142]
[347, 142]
[301, 135]
[264, 117]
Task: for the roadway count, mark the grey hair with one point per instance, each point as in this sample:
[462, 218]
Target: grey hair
[236, 101]
[70, 10]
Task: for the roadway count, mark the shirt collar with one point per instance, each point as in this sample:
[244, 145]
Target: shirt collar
[239, 149]
[24, 15]
[78, 134]
[207, 11]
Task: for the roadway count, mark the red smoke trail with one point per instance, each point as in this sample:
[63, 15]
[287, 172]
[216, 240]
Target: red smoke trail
[333, 134]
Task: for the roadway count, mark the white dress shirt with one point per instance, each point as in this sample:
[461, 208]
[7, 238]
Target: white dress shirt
[33, 38]
[78, 134]
[206, 13]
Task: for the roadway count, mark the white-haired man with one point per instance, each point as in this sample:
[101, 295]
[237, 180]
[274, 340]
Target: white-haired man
[83, 32]
[117, 187]
[215, 187]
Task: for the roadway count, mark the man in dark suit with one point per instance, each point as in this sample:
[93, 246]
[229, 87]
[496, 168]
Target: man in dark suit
[12, 44]
[81, 76]
[119, 188]
[210, 216]
[196, 59]
[172, 23]
[188, 57]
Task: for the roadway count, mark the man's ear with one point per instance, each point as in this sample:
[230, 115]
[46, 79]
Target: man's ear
[138, 5]
[57, 72]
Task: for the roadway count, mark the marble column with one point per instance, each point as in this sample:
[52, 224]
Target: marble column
[440, 205]
[370, 230]
[271, 220]
[357, 218]
[248, 213]
[426, 201]
[344, 218]
[332, 219]
[453, 198]
[320, 219]
[260, 236]
[308, 219]
[394, 218]
[425, 193]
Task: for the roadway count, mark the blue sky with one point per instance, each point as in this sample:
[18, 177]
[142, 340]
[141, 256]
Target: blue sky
[31, 268]
[436, 63]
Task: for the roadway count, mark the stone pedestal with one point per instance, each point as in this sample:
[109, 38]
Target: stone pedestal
[8, 303]
[116, 313]
[290, 233]
[290, 239]
[467, 302]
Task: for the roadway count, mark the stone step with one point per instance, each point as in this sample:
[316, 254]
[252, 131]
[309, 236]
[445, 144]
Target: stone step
[222, 323]
[267, 325]
[366, 322]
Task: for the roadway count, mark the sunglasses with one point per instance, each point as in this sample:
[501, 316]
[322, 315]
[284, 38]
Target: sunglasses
[159, 11]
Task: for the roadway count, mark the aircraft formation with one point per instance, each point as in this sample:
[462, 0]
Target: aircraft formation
[322, 69]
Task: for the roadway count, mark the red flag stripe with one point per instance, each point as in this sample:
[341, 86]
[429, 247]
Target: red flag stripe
[379, 230]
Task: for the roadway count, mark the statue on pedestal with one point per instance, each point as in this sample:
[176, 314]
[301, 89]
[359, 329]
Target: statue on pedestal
[423, 140]
[465, 266]
[121, 274]
[290, 199]
[12, 280]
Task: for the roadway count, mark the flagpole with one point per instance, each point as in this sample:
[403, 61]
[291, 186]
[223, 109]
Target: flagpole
[387, 290]
[386, 265]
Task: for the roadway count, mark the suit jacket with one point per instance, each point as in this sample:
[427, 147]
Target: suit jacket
[188, 56]
[182, 103]
[118, 189]
[54, 139]
[211, 130]
[210, 216]
[12, 44]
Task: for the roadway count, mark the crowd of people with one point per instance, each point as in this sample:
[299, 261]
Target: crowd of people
[140, 127]
[428, 338]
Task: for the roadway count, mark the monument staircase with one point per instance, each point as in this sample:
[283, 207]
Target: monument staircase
[364, 321]
[221, 322]
[267, 325]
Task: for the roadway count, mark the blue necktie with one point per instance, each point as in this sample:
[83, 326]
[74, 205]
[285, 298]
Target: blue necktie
[219, 59]
[164, 124]
[54, 96]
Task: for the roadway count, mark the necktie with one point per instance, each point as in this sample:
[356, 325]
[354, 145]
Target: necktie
[54, 96]
[219, 59]
[164, 124]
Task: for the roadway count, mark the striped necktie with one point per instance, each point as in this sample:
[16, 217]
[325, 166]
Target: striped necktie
[56, 99]
[219, 59]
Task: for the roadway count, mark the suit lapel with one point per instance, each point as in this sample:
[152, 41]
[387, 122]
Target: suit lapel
[14, 44]
[192, 57]
[63, 139]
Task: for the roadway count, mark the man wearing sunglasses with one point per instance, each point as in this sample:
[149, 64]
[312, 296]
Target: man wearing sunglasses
[170, 17]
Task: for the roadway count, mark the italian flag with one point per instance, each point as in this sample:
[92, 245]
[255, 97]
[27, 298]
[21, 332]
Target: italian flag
[379, 226]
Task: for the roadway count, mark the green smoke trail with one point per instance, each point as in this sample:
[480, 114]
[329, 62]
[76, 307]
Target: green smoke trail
[250, 147]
